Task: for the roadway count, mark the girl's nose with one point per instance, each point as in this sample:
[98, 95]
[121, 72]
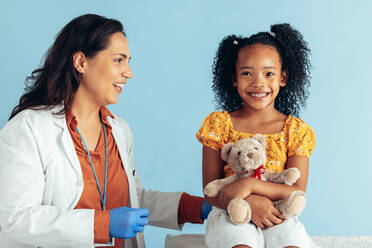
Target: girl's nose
[258, 81]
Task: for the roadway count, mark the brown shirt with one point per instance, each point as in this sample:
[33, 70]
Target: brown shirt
[117, 182]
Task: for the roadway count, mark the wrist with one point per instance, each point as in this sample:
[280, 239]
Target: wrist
[251, 184]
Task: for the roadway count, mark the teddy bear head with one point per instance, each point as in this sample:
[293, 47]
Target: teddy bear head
[246, 155]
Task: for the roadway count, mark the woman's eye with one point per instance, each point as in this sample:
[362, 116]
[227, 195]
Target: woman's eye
[119, 60]
[269, 74]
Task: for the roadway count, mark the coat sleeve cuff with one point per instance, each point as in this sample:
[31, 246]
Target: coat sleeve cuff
[190, 209]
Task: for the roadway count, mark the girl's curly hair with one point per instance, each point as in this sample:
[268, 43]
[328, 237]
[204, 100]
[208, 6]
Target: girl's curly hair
[294, 55]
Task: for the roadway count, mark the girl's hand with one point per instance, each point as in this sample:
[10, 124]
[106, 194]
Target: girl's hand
[264, 214]
[241, 188]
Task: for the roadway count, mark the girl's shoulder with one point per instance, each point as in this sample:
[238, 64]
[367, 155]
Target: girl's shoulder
[219, 117]
[300, 138]
[215, 129]
[220, 120]
[296, 124]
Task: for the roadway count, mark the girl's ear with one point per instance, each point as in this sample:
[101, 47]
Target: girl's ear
[283, 79]
[234, 81]
[79, 60]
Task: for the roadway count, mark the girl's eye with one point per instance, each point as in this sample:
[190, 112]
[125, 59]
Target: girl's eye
[119, 60]
[246, 73]
[269, 74]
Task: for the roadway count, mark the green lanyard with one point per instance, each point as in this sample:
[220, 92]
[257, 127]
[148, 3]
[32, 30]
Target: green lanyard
[103, 198]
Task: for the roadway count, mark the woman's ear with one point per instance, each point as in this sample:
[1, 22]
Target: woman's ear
[79, 61]
[283, 79]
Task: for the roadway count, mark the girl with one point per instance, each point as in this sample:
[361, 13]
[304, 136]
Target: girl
[260, 83]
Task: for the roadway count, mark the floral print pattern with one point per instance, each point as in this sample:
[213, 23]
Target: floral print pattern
[296, 138]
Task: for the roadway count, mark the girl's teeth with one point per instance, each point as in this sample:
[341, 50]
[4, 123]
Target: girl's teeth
[259, 95]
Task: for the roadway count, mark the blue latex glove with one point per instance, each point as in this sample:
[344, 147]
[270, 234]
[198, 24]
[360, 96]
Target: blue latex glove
[206, 208]
[126, 222]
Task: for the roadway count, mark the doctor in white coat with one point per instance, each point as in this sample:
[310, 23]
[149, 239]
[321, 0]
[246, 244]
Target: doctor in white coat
[41, 178]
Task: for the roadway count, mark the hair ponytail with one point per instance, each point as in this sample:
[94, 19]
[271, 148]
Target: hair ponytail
[296, 63]
[224, 68]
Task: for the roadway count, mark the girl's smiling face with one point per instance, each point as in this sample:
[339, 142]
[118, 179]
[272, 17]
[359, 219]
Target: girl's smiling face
[259, 76]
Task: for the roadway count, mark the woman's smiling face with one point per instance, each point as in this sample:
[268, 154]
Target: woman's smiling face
[105, 74]
[259, 76]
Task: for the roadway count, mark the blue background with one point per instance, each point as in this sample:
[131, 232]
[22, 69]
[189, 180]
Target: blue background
[173, 44]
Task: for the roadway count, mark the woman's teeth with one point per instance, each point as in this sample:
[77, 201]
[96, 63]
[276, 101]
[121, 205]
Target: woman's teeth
[119, 85]
[259, 95]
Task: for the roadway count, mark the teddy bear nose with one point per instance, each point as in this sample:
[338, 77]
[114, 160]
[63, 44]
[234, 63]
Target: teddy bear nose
[250, 155]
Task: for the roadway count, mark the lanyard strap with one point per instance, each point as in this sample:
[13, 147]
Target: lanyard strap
[103, 198]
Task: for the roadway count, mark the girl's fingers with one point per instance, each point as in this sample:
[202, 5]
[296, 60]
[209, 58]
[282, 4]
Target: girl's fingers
[260, 225]
[275, 219]
[278, 214]
[267, 223]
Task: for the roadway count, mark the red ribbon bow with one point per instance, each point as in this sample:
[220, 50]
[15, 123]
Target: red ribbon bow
[257, 172]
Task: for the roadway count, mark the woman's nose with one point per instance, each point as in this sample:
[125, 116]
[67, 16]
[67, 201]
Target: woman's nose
[127, 72]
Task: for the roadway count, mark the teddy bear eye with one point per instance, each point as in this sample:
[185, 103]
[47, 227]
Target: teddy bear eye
[256, 148]
[239, 153]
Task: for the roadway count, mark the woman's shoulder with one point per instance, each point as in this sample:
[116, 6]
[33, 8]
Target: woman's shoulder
[38, 115]
[32, 122]
[120, 122]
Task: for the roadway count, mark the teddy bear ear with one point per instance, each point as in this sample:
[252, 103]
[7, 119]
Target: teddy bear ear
[260, 138]
[225, 152]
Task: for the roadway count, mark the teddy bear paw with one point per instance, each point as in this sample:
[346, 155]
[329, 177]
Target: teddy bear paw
[239, 211]
[291, 176]
[298, 199]
[294, 205]
[211, 190]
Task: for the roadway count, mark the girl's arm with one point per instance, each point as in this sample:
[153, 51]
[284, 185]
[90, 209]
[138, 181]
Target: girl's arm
[273, 191]
[212, 170]
[264, 214]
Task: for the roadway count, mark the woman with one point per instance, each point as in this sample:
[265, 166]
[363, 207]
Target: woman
[67, 174]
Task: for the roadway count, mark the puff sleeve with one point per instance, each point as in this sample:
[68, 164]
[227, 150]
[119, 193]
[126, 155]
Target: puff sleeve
[214, 130]
[301, 139]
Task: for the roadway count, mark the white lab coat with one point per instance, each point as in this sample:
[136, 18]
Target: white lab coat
[41, 182]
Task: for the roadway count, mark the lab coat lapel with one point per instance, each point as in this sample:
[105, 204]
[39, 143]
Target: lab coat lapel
[123, 151]
[66, 141]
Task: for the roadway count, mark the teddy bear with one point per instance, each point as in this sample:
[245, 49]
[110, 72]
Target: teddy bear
[247, 158]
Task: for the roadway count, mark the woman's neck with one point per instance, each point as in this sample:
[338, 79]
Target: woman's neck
[84, 111]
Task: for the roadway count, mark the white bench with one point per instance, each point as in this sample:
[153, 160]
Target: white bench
[197, 241]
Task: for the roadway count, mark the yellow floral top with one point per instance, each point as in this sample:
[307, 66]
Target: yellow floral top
[296, 138]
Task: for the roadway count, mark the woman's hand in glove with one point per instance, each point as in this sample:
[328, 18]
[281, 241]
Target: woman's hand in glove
[126, 222]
